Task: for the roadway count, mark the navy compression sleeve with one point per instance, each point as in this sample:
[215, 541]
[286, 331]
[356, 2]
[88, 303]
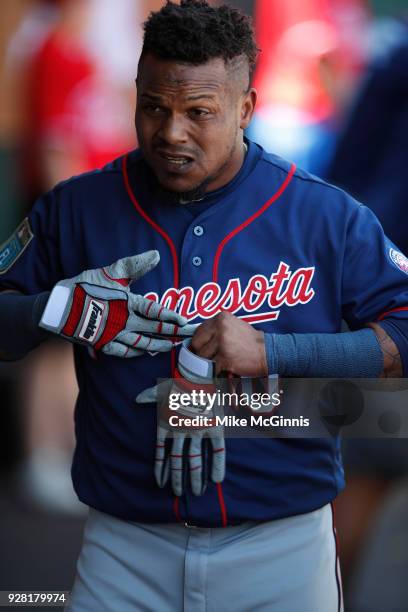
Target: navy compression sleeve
[19, 318]
[354, 354]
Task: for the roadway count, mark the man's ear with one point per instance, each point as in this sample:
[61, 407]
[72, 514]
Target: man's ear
[248, 107]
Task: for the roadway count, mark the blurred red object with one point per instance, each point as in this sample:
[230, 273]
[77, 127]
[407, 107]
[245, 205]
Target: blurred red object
[72, 106]
[78, 112]
[299, 41]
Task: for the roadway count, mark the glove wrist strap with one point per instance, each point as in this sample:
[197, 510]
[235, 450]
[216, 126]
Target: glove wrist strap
[192, 366]
[55, 309]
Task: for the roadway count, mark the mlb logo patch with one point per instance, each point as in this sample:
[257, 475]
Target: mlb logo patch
[399, 260]
[11, 250]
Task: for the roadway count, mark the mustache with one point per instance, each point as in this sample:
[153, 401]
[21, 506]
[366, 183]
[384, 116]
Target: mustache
[176, 152]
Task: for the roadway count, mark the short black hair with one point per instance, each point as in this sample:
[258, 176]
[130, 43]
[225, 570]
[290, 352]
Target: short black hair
[194, 32]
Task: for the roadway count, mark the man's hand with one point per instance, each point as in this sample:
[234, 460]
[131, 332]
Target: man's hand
[196, 450]
[392, 358]
[97, 309]
[234, 345]
[192, 449]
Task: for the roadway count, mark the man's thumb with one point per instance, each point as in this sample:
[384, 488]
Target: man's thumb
[132, 268]
[148, 395]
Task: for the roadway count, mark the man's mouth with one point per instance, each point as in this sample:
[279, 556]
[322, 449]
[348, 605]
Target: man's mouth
[175, 161]
[179, 161]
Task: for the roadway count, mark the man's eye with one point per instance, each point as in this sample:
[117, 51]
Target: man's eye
[199, 112]
[153, 109]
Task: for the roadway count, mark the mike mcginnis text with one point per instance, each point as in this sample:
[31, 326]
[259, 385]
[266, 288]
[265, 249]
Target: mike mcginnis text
[258, 420]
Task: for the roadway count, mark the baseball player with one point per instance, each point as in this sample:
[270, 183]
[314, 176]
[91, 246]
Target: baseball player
[201, 226]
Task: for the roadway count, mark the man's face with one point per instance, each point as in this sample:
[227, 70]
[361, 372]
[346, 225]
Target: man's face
[189, 122]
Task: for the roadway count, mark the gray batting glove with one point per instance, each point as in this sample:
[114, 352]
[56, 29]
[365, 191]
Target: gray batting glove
[188, 447]
[97, 309]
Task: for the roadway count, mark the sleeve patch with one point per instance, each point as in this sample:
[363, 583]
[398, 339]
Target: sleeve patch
[399, 260]
[15, 246]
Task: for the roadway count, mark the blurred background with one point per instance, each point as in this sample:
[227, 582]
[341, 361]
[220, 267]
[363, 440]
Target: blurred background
[332, 79]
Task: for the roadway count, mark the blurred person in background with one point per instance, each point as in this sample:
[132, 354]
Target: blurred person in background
[312, 52]
[312, 58]
[78, 103]
[370, 162]
[10, 213]
[76, 63]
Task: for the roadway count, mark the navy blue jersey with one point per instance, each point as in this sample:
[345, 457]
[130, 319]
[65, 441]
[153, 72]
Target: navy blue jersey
[279, 248]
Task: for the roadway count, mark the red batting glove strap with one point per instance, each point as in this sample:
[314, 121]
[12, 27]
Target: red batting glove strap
[76, 311]
[188, 386]
[116, 322]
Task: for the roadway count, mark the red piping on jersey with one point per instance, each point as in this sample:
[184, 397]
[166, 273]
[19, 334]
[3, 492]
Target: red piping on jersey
[218, 252]
[224, 520]
[164, 235]
[385, 314]
[220, 248]
[152, 223]
[250, 219]
[176, 510]
[176, 280]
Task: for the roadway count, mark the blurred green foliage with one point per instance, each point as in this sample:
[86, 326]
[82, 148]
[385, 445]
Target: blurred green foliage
[11, 211]
[389, 7]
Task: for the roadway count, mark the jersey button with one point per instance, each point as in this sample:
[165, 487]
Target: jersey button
[197, 261]
[198, 230]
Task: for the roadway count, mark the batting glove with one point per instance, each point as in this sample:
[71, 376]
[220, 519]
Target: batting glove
[97, 309]
[189, 445]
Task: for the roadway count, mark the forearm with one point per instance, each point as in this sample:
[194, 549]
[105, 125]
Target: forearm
[238, 348]
[355, 354]
[19, 317]
[395, 353]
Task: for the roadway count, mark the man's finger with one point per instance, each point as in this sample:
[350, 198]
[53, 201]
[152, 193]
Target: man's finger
[159, 328]
[188, 330]
[117, 349]
[195, 460]
[148, 395]
[161, 463]
[132, 268]
[154, 310]
[218, 459]
[176, 465]
[139, 265]
[139, 341]
[202, 336]
[208, 350]
[158, 393]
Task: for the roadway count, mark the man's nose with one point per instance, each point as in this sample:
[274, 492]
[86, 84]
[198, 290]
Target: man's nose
[173, 129]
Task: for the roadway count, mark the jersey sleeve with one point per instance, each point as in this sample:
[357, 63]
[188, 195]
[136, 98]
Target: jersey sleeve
[29, 259]
[375, 273]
